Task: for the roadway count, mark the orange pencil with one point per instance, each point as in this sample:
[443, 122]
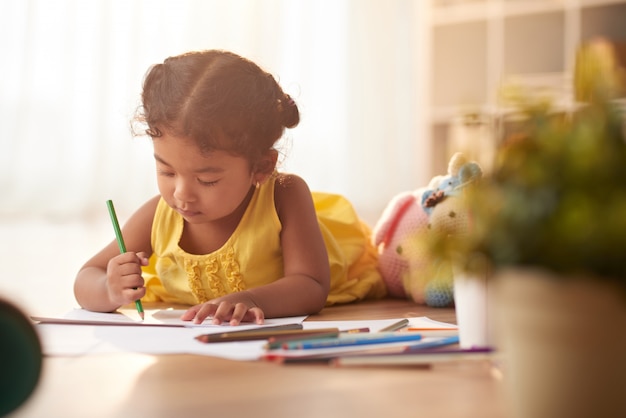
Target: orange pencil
[431, 329]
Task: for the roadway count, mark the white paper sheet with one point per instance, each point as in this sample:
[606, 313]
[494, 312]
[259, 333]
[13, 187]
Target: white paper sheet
[78, 340]
[160, 317]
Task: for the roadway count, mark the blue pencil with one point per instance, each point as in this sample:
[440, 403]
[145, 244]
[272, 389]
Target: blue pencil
[374, 338]
[432, 344]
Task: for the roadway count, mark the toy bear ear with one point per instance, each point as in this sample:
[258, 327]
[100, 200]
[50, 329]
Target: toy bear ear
[470, 172]
[457, 161]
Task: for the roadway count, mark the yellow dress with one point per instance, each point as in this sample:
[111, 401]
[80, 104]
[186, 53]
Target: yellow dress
[252, 256]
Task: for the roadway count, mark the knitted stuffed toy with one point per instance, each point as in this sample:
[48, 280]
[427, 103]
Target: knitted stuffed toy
[402, 235]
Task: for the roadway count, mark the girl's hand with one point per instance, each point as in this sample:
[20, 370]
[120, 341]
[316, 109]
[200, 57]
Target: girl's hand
[221, 311]
[124, 281]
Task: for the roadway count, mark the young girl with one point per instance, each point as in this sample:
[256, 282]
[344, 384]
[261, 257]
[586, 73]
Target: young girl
[227, 233]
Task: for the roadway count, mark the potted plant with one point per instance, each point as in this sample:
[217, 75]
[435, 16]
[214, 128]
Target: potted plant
[549, 227]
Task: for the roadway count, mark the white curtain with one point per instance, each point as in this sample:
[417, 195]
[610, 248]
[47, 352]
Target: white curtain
[72, 70]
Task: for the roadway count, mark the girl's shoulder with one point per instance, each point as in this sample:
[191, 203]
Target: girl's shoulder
[290, 192]
[138, 227]
[147, 210]
[289, 185]
[286, 181]
[141, 220]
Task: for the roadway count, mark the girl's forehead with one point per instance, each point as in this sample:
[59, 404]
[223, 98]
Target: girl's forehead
[189, 144]
[185, 152]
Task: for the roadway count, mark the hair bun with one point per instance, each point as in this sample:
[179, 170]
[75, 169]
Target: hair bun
[289, 111]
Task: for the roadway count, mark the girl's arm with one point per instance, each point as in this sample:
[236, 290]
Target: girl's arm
[109, 279]
[304, 288]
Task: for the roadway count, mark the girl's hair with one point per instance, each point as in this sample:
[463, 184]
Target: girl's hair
[219, 99]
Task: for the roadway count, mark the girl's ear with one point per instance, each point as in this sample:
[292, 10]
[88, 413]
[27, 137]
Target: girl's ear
[265, 166]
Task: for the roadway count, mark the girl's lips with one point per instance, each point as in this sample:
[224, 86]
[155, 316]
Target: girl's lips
[187, 213]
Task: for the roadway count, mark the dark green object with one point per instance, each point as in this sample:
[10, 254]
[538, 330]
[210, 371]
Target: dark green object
[20, 358]
[120, 243]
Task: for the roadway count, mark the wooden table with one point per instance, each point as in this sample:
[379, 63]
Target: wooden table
[137, 385]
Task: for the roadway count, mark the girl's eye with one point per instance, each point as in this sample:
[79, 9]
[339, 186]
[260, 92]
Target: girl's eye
[165, 173]
[207, 183]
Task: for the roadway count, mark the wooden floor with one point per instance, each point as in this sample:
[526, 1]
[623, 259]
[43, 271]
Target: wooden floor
[389, 308]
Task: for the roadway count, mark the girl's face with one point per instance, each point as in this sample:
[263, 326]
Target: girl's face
[202, 187]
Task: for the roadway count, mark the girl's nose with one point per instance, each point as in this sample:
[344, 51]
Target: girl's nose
[183, 191]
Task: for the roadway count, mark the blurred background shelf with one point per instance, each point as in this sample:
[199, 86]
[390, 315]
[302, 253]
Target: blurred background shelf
[477, 45]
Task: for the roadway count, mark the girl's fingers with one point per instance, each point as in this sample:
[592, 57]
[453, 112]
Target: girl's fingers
[206, 310]
[143, 258]
[239, 313]
[133, 294]
[127, 269]
[190, 313]
[225, 311]
[255, 315]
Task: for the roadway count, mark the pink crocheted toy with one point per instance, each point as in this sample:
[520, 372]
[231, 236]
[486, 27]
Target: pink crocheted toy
[401, 236]
[402, 217]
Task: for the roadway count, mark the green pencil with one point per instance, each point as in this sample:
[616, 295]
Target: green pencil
[120, 243]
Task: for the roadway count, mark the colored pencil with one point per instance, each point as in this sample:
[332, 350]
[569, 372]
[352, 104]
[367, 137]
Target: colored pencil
[352, 340]
[277, 341]
[432, 329]
[262, 333]
[426, 332]
[395, 326]
[430, 344]
[355, 330]
[415, 358]
[122, 246]
[300, 356]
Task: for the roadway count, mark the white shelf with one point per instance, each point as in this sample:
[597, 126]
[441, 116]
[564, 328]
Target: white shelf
[485, 42]
[478, 45]
[557, 86]
[455, 12]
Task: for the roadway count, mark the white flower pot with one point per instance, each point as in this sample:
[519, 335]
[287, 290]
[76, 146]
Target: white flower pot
[472, 303]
